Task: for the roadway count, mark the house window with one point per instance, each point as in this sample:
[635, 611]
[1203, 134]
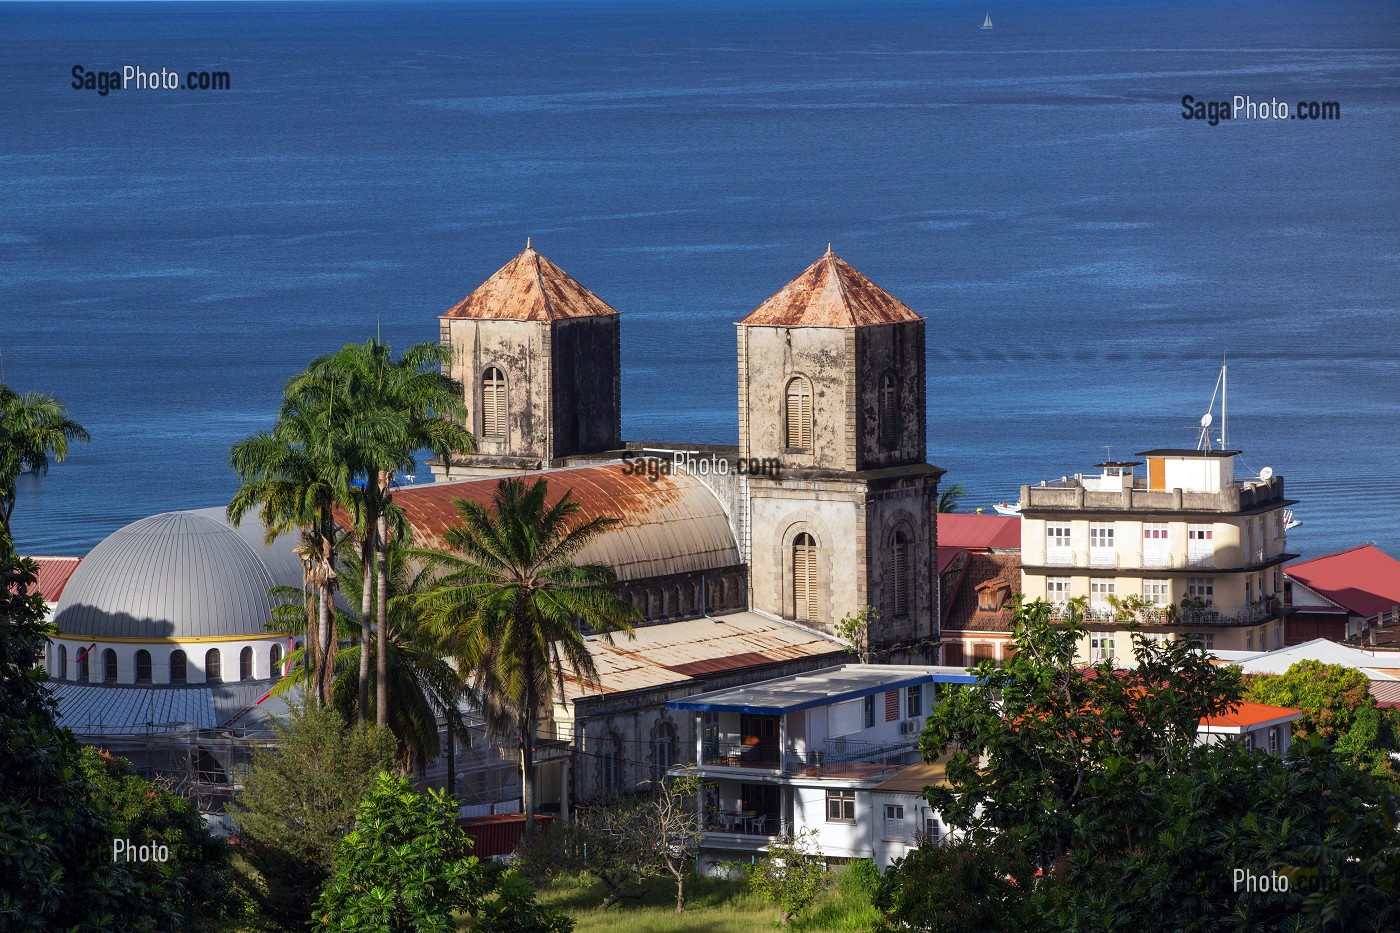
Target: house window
[933, 830]
[213, 667]
[804, 576]
[1200, 545]
[1158, 592]
[1249, 640]
[109, 666]
[143, 666]
[1057, 590]
[1205, 639]
[1099, 592]
[1273, 740]
[894, 822]
[610, 764]
[799, 412]
[274, 661]
[663, 750]
[889, 410]
[177, 667]
[1057, 537]
[1100, 537]
[1249, 741]
[245, 664]
[1156, 547]
[840, 806]
[62, 662]
[1248, 592]
[1103, 647]
[870, 711]
[1201, 588]
[899, 573]
[493, 403]
[914, 701]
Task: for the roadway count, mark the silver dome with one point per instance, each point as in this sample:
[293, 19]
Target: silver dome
[178, 575]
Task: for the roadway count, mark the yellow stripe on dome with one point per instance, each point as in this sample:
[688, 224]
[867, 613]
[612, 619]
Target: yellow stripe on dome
[193, 640]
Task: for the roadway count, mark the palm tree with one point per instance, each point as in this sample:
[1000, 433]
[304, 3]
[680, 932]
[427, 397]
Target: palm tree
[294, 481]
[392, 409]
[34, 428]
[949, 498]
[511, 603]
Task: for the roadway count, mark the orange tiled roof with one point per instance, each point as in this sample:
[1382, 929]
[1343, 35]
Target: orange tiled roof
[530, 288]
[830, 293]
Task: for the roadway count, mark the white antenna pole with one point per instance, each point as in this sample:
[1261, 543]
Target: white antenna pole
[1224, 395]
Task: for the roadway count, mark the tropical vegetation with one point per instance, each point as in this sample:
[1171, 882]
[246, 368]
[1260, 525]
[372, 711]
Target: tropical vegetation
[513, 606]
[35, 429]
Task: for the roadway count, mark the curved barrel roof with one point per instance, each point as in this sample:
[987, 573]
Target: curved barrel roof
[178, 575]
[672, 525]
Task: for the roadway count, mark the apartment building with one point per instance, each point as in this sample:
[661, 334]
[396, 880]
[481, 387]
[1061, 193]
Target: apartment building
[1204, 548]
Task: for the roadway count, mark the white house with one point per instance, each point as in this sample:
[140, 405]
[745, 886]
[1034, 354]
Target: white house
[834, 750]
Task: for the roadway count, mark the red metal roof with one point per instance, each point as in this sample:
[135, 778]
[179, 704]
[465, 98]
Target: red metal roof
[530, 288]
[53, 575]
[969, 530]
[830, 293]
[1248, 715]
[1364, 579]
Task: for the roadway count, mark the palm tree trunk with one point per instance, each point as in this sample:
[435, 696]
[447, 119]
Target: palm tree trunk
[381, 612]
[329, 641]
[527, 762]
[366, 608]
[451, 755]
[323, 638]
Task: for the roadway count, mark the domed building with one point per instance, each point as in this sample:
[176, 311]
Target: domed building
[162, 652]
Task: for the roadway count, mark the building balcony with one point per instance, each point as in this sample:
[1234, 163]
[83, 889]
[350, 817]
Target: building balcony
[1138, 563]
[1175, 615]
[1103, 558]
[836, 758]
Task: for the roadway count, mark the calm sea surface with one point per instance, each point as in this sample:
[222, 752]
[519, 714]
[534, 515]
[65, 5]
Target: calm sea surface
[1083, 254]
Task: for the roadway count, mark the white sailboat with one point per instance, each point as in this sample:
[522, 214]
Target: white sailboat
[987, 23]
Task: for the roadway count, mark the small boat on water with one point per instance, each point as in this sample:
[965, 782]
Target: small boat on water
[1289, 522]
[987, 23]
[1006, 508]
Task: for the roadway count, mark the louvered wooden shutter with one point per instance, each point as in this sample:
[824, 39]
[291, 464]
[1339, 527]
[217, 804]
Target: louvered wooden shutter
[493, 403]
[799, 414]
[804, 576]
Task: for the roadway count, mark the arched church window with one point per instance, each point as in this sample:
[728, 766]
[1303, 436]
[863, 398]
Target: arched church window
[799, 412]
[889, 410]
[62, 662]
[213, 667]
[245, 664]
[179, 672]
[274, 661]
[663, 750]
[804, 576]
[84, 667]
[610, 764]
[899, 573]
[109, 666]
[493, 403]
[143, 666]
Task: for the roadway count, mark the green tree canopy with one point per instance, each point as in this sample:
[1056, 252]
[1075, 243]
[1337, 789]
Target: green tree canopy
[34, 429]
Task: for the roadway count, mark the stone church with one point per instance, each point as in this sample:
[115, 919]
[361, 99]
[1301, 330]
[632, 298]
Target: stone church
[740, 559]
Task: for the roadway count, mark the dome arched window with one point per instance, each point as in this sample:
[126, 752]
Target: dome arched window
[109, 666]
[143, 666]
[245, 664]
[213, 667]
[179, 672]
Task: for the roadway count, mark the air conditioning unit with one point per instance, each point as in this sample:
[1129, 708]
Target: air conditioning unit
[910, 727]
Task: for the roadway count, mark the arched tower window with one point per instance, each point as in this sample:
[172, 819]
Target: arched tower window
[245, 664]
[62, 662]
[804, 576]
[213, 667]
[84, 667]
[889, 410]
[179, 671]
[799, 412]
[899, 573]
[493, 403]
[143, 666]
[274, 661]
[109, 666]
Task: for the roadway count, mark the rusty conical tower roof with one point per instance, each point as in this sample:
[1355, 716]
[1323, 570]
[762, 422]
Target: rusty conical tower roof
[530, 288]
[830, 293]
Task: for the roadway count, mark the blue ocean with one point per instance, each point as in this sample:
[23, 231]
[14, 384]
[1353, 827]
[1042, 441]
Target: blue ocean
[1086, 256]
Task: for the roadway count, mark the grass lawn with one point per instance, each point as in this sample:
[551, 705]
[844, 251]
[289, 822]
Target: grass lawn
[712, 906]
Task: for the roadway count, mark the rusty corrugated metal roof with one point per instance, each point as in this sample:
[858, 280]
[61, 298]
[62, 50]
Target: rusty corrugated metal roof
[672, 525]
[675, 652]
[530, 288]
[53, 575]
[830, 293]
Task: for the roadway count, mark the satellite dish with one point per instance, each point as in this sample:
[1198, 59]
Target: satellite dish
[1206, 420]
[1266, 474]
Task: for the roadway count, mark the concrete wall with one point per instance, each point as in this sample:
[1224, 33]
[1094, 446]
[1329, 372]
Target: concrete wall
[897, 349]
[770, 357]
[587, 386]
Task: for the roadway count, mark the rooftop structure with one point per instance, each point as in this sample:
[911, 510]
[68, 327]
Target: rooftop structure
[821, 688]
[1345, 594]
[830, 293]
[529, 288]
[54, 573]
